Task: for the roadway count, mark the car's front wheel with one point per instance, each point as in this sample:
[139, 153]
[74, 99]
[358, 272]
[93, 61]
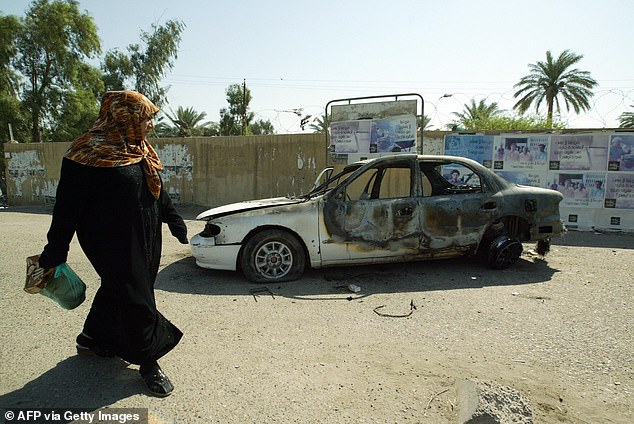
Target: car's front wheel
[272, 256]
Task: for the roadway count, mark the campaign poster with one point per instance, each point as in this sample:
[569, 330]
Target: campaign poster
[621, 155]
[575, 188]
[579, 152]
[476, 147]
[393, 134]
[619, 192]
[350, 136]
[528, 178]
[586, 189]
[595, 183]
[460, 175]
[521, 152]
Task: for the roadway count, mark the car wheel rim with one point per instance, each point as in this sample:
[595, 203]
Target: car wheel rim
[504, 257]
[273, 260]
[507, 255]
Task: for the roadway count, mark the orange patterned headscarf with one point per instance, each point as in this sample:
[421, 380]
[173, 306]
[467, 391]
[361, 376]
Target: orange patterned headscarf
[116, 138]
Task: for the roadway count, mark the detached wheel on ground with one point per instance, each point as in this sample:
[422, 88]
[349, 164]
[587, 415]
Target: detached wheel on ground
[273, 256]
[504, 251]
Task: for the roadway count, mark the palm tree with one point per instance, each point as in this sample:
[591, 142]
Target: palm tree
[627, 119]
[474, 114]
[423, 123]
[187, 122]
[320, 125]
[549, 80]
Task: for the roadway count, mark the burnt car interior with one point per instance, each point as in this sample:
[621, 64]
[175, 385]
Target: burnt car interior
[398, 180]
[383, 182]
[448, 178]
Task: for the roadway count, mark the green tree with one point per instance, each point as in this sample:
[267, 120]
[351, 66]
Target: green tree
[188, 122]
[10, 109]
[163, 129]
[423, 123]
[262, 127]
[80, 107]
[117, 71]
[626, 119]
[235, 119]
[552, 79]
[55, 41]
[509, 122]
[147, 63]
[474, 114]
[320, 125]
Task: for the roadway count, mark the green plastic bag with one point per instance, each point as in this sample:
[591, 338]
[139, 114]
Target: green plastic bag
[66, 288]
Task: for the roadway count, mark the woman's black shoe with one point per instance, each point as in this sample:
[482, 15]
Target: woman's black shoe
[86, 345]
[157, 382]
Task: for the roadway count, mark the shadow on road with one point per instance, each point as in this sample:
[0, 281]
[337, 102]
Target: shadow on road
[79, 382]
[183, 276]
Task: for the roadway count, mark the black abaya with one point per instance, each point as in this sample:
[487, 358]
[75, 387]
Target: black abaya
[118, 225]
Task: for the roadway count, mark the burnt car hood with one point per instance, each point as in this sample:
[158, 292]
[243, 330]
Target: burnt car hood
[248, 205]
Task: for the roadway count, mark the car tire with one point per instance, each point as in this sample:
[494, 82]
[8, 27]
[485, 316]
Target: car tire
[272, 256]
[504, 251]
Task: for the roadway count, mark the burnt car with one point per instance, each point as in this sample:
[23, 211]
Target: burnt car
[397, 208]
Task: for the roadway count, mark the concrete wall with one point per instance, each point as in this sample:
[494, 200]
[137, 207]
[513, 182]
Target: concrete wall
[214, 171]
[222, 170]
[204, 171]
[208, 171]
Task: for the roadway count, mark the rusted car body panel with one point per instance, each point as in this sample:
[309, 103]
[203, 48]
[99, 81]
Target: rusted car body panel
[396, 208]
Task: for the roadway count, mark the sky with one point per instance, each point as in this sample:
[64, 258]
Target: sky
[296, 56]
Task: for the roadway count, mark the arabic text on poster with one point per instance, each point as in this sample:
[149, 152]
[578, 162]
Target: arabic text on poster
[579, 152]
[535, 179]
[620, 191]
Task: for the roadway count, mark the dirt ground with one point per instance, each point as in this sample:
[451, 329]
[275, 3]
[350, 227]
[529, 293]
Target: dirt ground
[559, 331]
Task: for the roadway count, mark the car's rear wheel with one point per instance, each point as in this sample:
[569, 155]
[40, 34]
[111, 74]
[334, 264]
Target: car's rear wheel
[504, 251]
[273, 256]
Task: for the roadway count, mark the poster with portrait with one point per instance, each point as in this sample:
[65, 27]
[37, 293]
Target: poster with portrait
[595, 183]
[521, 152]
[579, 152]
[621, 153]
[619, 191]
[393, 134]
[476, 147]
[580, 190]
[358, 129]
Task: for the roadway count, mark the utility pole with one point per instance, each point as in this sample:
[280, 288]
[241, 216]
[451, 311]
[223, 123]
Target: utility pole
[244, 107]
